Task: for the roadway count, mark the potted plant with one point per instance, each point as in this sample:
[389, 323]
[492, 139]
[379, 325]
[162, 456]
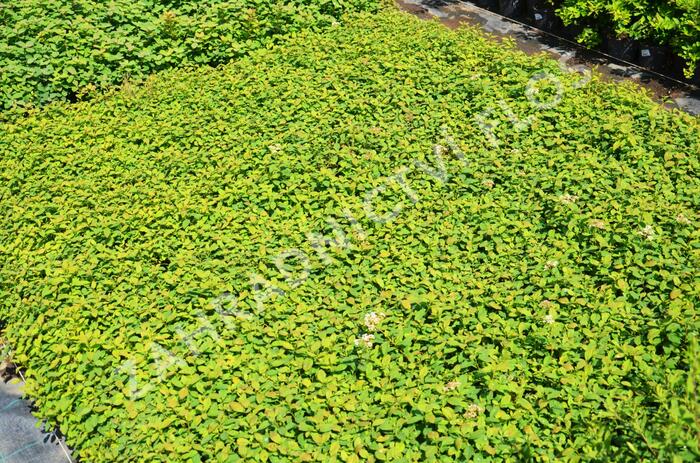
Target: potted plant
[653, 57]
[575, 18]
[540, 14]
[621, 46]
[511, 8]
[686, 70]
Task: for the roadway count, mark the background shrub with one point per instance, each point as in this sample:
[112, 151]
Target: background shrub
[60, 49]
[675, 23]
[541, 302]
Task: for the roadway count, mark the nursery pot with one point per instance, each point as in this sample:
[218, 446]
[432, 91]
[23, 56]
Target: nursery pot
[543, 19]
[535, 5]
[678, 65]
[491, 5]
[623, 48]
[569, 32]
[511, 8]
[653, 57]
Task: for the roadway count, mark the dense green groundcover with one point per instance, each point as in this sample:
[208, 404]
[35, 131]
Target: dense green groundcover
[57, 49]
[539, 303]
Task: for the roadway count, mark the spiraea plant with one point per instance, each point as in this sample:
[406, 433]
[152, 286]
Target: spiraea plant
[382, 241]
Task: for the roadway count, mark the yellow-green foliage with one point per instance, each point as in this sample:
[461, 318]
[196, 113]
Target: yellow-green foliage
[539, 302]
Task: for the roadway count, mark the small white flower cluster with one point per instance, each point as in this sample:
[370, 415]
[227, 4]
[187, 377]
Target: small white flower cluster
[439, 150]
[276, 148]
[568, 199]
[373, 319]
[452, 385]
[550, 264]
[680, 218]
[648, 232]
[548, 319]
[366, 340]
[473, 411]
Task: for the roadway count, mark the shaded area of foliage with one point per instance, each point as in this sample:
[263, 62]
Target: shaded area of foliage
[539, 302]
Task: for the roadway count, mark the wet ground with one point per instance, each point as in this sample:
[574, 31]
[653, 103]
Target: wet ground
[453, 13]
[21, 441]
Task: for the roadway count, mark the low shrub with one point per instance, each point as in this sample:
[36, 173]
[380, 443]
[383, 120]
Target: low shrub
[675, 23]
[59, 49]
[532, 297]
